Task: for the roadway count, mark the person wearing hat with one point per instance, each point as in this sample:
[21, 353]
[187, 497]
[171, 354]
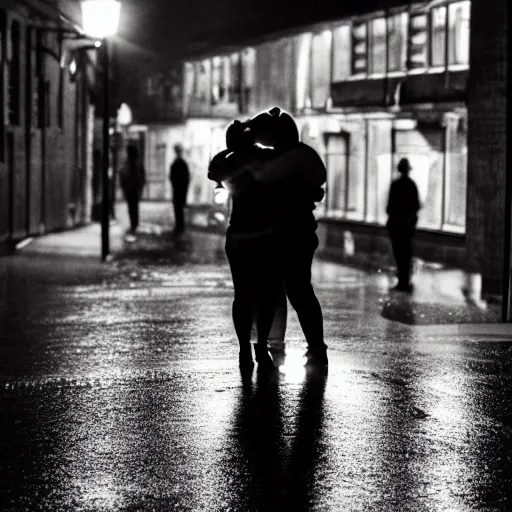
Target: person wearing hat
[402, 209]
[179, 176]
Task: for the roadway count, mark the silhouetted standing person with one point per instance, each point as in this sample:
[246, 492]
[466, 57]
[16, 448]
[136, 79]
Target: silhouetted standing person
[402, 209]
[179, 176]
[133, 179]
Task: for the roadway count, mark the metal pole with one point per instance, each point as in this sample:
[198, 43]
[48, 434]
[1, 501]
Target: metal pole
[105, 210]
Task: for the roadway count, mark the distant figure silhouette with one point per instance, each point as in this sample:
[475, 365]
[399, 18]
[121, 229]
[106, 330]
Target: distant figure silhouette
[132, 179]
[402, 210]
[179, 176]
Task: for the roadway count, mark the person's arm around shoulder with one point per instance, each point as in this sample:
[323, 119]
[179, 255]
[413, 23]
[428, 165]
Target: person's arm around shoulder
[301, 159]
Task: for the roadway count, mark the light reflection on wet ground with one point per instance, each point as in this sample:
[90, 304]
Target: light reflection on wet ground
[119, 390]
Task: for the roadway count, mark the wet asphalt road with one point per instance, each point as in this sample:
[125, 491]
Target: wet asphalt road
[119, 390]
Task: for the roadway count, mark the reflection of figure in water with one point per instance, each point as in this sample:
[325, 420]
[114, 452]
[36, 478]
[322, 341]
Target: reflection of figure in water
[402, 209]
[271, 237]
[132, 178]
[179, 176]
[274, 459]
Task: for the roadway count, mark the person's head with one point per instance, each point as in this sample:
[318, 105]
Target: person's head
[178, 149]
[404, 167]
[275, 128]
[132, 152]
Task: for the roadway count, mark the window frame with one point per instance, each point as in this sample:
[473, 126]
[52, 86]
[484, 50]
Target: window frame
[370, 45]
[346, 136]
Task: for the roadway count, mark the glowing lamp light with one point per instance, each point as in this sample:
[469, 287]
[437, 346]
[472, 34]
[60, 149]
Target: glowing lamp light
[72, 67]
[100, 18]
[124, 115]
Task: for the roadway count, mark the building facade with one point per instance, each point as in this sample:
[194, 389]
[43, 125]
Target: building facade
[365, 91]
[46, 134]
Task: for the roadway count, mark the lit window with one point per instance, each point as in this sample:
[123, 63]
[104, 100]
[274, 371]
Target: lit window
[342, 53]
[438, 38]
[418, 40]
[337, 175]
[397, 48]
[248, 70]
[303, 71]
[216, 80]
[321, 68]
[225, 78]
[203, 80]
[359, 49]
[378, 46]
[459, 14]
[234, 85]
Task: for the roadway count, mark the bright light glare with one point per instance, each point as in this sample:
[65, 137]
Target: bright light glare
[72, 67]
[220, 195]
[100, 17]
[124, 115]
[293, 367]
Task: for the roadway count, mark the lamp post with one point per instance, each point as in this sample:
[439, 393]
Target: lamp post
[100, 20]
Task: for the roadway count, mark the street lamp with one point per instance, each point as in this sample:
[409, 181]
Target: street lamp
[100, 19]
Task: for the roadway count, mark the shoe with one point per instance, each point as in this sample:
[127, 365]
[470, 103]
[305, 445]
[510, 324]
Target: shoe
[263, 358]
[316, 357]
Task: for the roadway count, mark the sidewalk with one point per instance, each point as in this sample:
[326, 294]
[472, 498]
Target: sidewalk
[437, 307]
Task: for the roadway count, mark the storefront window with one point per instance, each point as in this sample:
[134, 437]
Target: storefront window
[342, 53]
[378, 170]
[225, 78]
[459, 14]
[337, 175]
[397, 34]
[424, 149]
[234, 83]
[216, 79]
[378, 53]
[438, 37]
[456, 180]
[248, 71]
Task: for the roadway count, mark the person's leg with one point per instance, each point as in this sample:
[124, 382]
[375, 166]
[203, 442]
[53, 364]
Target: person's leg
[179, 216]
[278, 329]
[131, 203]
[266, 280]
[136, 212]
[243, 302]
[407, 252]
[297, 253]
[403, 249]
[395, 247]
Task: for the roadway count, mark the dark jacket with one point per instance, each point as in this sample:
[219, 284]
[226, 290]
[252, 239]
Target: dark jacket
[132, 177]
[403, 203]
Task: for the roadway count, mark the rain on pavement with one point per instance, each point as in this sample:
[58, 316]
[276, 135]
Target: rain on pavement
[120, 390]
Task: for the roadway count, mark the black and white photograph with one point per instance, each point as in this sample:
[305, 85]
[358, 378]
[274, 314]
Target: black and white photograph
[255, 256]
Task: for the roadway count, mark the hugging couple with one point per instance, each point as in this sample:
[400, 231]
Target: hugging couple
[274, 181]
